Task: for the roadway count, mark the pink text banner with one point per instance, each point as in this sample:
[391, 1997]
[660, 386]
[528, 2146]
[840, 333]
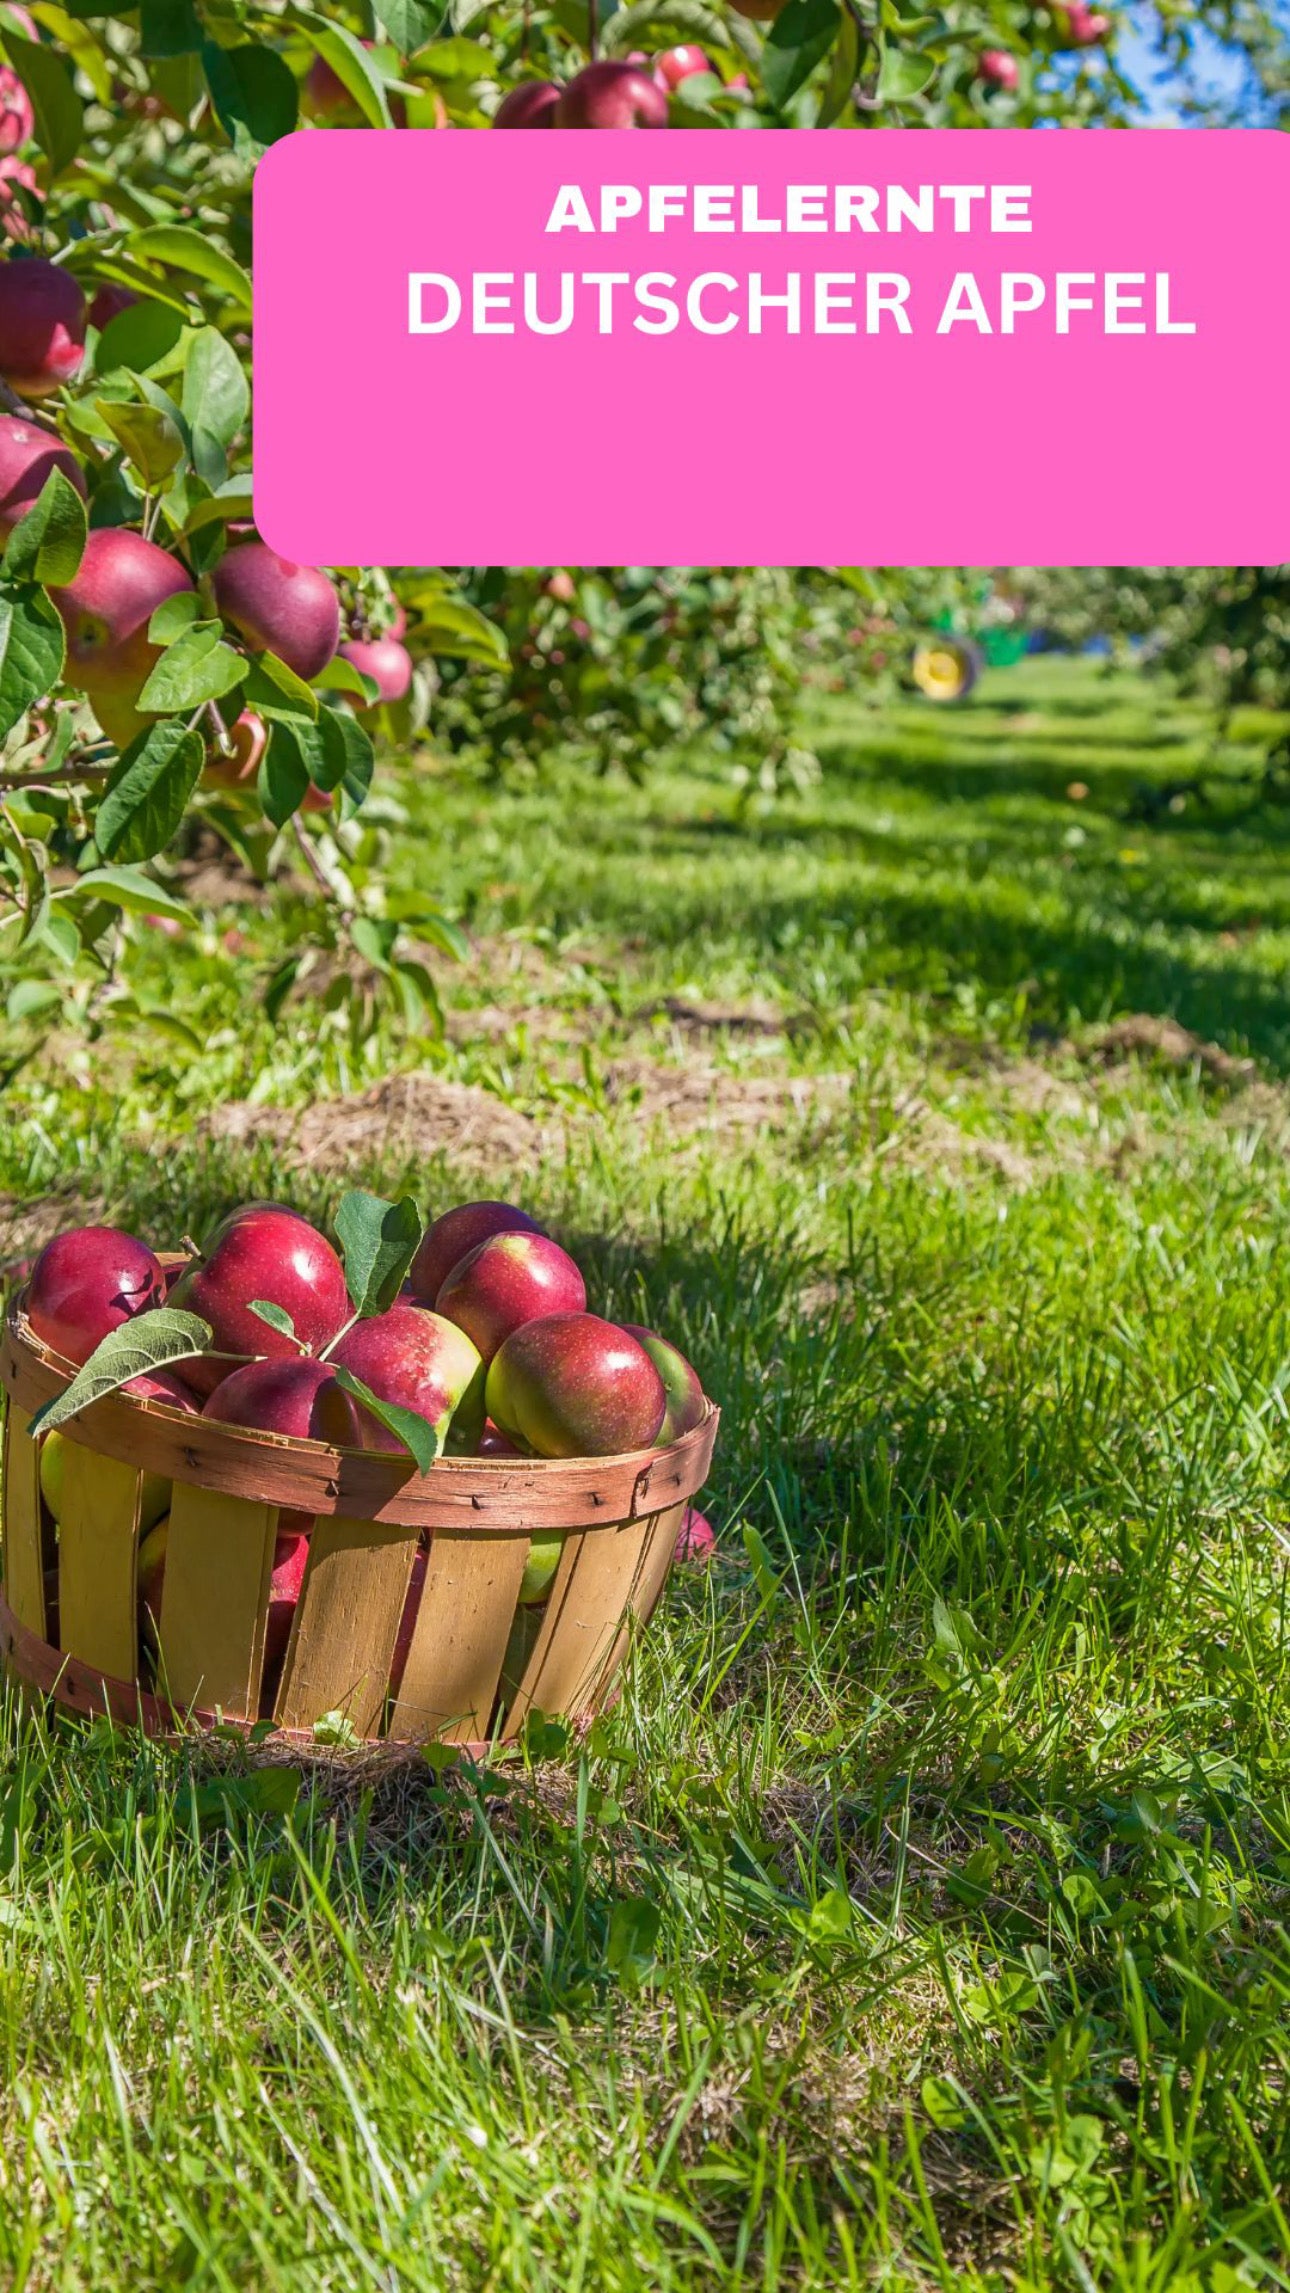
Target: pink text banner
[787, 348]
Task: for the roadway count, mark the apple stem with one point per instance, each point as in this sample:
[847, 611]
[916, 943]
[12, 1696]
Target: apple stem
[223, 736]
[194, 1249]
[342, 1332]
[593, 28]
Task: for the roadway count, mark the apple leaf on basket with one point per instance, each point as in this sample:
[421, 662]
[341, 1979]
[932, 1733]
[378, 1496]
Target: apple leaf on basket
[378, 1241]
[149, 1342]
[422, 1440]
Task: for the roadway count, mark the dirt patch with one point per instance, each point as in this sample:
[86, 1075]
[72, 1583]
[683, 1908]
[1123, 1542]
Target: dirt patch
[924, 1140]
[701, 1017]
[1028, 1085]
[719, 1101]
[403, 1118]
[1144, 1036]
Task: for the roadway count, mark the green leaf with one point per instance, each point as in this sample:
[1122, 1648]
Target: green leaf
[348, 758]
[185, 249]
[456, 630]
[277, 692]
[408, 23]
[378, 1241]
[216, 401]
[633, 1935]
[150, 436]
[276, 1317]
[47, 545]
[423, 1441]
[169, 28]
[843, 73]
[254, 93]
[129, 889]
[138, 338]
[342, 677]
[173, 616]
[904, 74]
[283, 778]
[31, 651]
[198, 667]
[58, 110]
[149, 1342]
[148, 793]
[349, 60]
[800, 37]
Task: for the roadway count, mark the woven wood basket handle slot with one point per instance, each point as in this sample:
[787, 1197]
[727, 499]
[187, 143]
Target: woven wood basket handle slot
[215, 1599]
[24, 1534]
[459, 1638]
[346, 1624]
[98, 1545]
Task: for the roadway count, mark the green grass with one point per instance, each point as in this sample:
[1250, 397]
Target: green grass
[919, 1918]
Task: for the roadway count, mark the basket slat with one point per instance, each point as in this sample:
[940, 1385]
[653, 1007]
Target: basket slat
[346, 1624]
[219, 1560]
[24, 1559]
[582, 1621]
[652, 1570]
[98, 1544]
[459, 1638]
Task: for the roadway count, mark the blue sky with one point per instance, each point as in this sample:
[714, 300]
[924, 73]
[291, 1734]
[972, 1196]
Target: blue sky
[1218, 71]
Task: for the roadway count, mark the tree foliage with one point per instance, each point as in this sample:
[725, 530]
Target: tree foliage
[128, 140]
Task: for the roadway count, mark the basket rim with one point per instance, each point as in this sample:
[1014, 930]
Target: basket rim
[491, 1495]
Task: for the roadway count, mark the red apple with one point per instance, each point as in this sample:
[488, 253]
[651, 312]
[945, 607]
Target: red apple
[17, 120]
[454, 1234]
[85, 1283]
[324, 93]
[121, 581]
[385, 661]
[149, 1577]
[493, 1442]
[109, 303]
[506, 1281]
[278, 607]
[42, 325]
[418, 1361]
[1083, 26]
[611, 94]
[685, 1397]
[299, 1398]
[696, 1539]
[677, 64]
[290, 1559]
[531, 104]
[14, 221]
[998, 69]
[264, 1253]
[573, 1385]
[167, 1387]
[760, 11]
[250, 737]
[27, 456]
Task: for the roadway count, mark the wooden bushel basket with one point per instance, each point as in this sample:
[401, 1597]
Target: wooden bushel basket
[619, 1517]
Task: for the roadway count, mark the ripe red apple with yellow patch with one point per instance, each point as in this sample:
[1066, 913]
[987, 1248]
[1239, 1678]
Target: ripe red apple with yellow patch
[278, 607]
[86, 1283]
[452, 1236]
[105, 610]
[267, 1254]
[696, 1540]
[249, 736]
[42, 325]
[506, 1281]
[685, 1397]
[572, 1385]
[416, 1360]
